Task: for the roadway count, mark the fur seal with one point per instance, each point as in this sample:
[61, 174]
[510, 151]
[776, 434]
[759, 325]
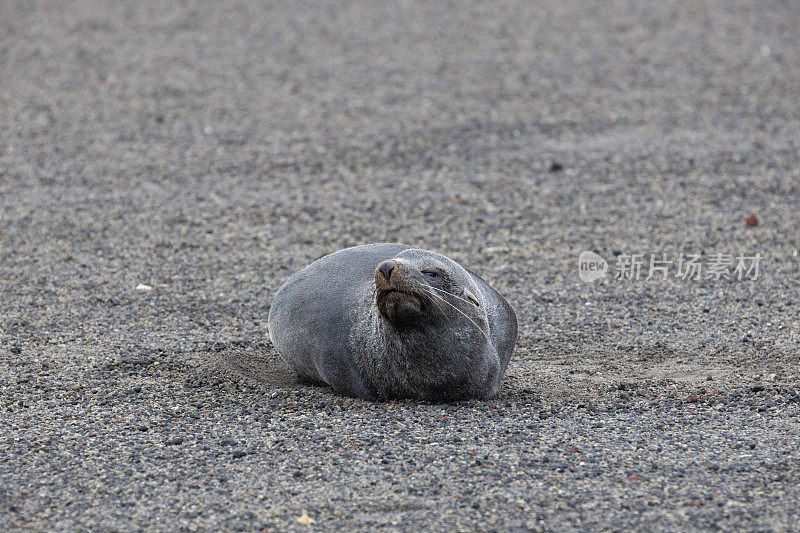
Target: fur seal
[382, 321]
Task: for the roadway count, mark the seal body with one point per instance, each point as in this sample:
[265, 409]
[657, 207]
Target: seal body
[382, 321]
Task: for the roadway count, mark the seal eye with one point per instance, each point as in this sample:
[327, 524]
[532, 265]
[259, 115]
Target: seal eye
[432, 274]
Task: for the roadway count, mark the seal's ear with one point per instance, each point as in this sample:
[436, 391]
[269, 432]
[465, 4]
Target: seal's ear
[471, 297]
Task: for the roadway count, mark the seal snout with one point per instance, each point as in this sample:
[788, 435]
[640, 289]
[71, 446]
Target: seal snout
[386, 268]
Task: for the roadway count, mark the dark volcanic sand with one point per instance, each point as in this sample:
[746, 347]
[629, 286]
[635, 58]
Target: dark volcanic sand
[209, 150]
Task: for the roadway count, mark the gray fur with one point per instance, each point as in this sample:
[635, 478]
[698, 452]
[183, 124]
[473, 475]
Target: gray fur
[337, 322]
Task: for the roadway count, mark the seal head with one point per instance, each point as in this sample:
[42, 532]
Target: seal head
[417, 292]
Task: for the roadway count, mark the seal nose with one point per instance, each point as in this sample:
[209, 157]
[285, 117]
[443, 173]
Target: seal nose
[386, 268]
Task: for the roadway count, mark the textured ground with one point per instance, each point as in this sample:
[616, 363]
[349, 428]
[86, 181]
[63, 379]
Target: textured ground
[209, 150]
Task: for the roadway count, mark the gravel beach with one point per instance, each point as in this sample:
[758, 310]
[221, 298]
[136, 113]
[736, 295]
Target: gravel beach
[164, 167]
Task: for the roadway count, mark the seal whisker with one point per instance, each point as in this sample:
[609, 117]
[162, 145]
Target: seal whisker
[435, 302]
[451, 294]
[462, 312]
